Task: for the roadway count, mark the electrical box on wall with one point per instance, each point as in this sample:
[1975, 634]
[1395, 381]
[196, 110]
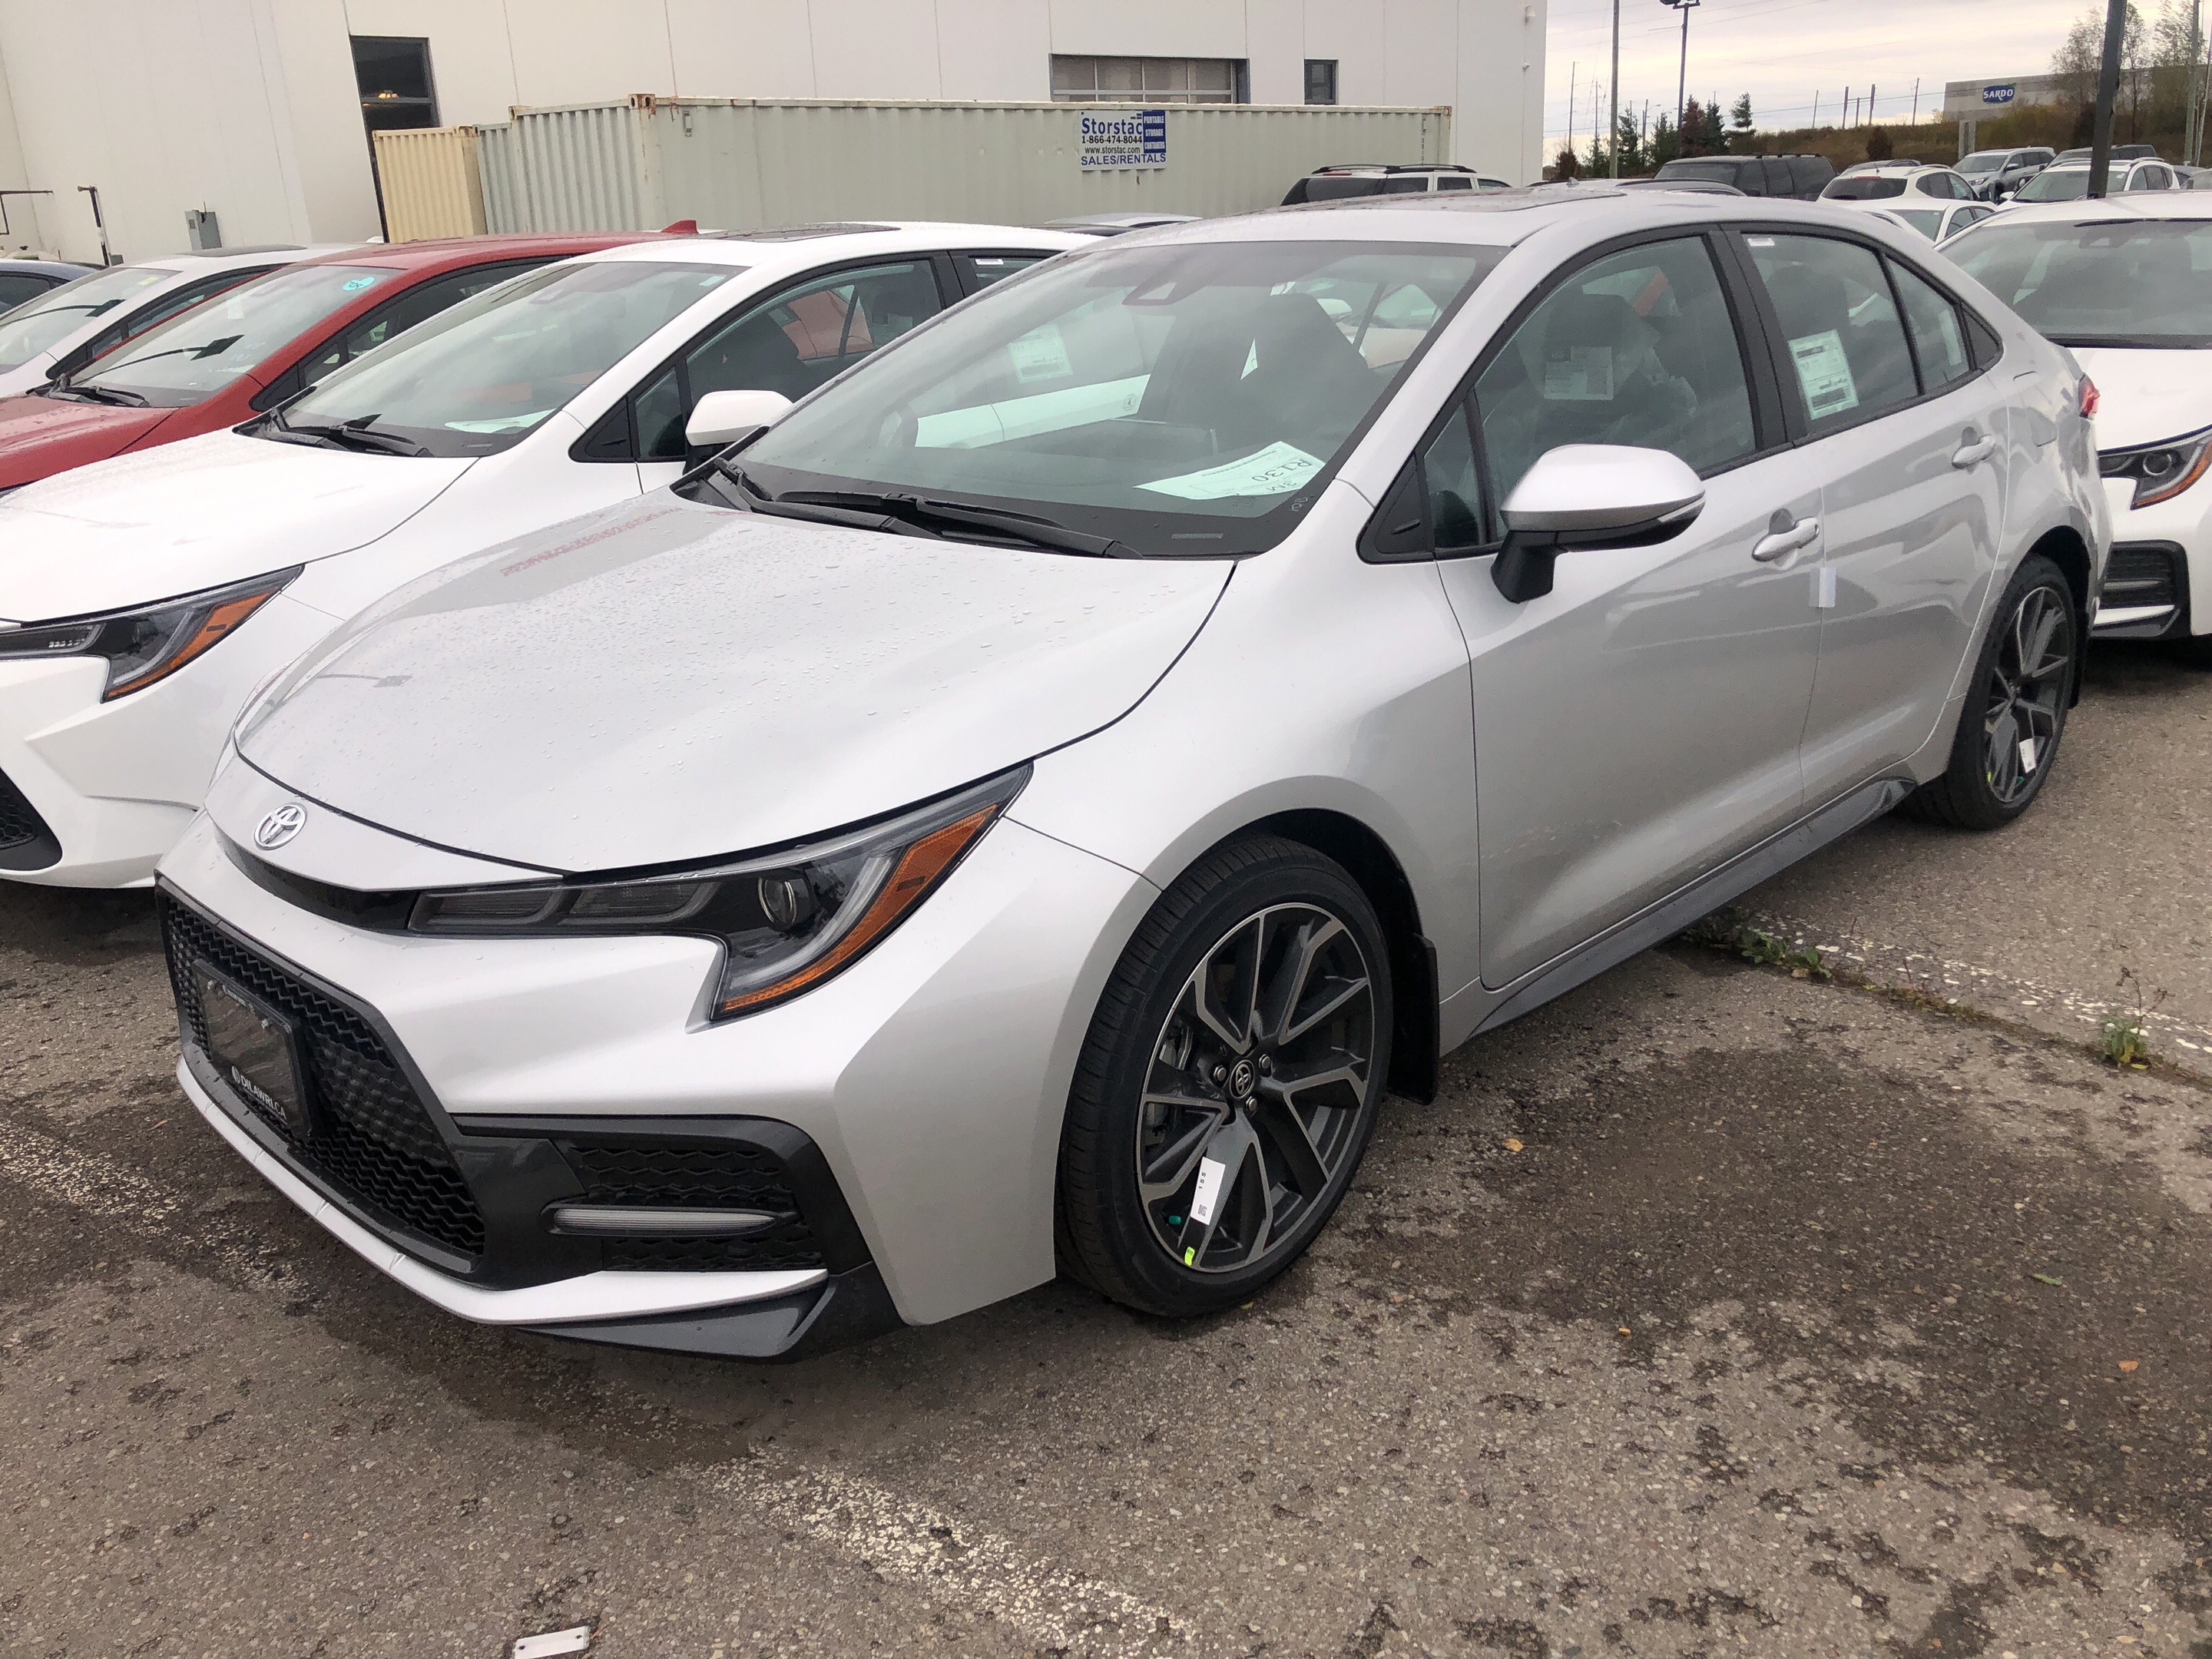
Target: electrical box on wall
[201, 227]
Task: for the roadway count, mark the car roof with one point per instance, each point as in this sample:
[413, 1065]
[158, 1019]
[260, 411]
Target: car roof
[203, 262]
[2140, 205]
[63, 268]
[437, 253]
[805, 246]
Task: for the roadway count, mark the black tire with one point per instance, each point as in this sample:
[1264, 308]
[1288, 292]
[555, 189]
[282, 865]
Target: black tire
[1157, 1087]
[1989, 781]
[2195, 650]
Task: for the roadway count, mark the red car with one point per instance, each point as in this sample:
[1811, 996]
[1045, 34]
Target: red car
[253, 346]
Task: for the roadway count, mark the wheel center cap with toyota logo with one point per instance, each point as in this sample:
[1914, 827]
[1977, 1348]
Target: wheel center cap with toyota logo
[1243, 1080]
[279, 827]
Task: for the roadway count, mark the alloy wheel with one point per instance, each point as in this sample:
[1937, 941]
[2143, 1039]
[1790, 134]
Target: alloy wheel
[1255, 1089]
[2026, 696]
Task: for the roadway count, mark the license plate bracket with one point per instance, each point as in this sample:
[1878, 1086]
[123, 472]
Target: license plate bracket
[255, 1050]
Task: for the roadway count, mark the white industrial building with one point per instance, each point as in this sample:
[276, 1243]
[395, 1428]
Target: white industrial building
[256, 111]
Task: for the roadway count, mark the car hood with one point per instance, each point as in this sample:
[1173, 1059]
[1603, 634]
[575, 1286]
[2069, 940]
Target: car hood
[2145, 396]
[39, 436]
[196, 515]
[663, 682]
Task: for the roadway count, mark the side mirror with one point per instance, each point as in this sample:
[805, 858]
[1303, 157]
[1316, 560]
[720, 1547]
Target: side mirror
[1590, 495]
[720, 418]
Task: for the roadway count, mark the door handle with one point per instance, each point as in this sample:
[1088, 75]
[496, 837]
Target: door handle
[1772, 545]
[1972, 449]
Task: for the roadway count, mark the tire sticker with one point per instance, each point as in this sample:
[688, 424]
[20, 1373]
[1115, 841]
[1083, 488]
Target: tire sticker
[2027, 754]
[1210, 1172]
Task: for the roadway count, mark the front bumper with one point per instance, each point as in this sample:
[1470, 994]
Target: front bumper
[929, 1078]
[2151, 576]
[110, 787]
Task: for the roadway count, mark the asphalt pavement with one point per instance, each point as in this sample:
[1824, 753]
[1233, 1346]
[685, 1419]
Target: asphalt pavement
[1709, 1310]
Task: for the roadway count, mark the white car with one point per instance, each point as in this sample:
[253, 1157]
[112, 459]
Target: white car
[1898, 183]
[66, 327]
[2069, 181]
[2126, 285]
[147, 596]
[1932, 220]
[1018, 811]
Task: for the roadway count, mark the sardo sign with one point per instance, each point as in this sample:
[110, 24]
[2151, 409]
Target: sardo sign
[2000, 94]
[1135, 138]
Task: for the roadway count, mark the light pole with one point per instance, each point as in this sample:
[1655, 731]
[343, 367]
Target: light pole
[1681, 74]
[2108, 94]
[1613, 127]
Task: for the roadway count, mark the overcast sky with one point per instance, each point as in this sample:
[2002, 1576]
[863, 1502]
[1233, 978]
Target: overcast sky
[1786, 52]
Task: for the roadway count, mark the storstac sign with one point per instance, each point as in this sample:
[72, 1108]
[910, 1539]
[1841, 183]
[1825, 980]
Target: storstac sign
[1129, 139]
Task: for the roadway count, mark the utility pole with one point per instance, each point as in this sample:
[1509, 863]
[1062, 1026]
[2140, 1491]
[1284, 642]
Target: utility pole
[1613, 122]
[1681, 74]
[1816, 111]
[1916, 101]
[1571, 68]
[1869, 103]
[2108, 95]
[1847, 108]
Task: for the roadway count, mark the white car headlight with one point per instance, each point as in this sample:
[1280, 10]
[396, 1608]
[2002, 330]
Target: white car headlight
[2161, 471]
[150, 642]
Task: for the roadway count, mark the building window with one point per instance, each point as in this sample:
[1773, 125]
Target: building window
[393, 74]
[1149, 81]
[1320, 80]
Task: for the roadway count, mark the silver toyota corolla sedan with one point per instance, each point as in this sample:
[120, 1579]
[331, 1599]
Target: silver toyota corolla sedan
[1020, 811]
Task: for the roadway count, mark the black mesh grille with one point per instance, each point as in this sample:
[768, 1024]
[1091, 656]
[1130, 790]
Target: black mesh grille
[373, 1140]
[2139, 574]
[708, 1177]
[20, 823]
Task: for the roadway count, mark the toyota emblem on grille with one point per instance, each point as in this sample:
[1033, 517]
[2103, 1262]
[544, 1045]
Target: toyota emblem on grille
[279, 827]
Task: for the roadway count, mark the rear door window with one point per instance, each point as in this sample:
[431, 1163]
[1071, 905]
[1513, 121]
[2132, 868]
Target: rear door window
[1939, 334]
[1844, 354]
[1637, 347]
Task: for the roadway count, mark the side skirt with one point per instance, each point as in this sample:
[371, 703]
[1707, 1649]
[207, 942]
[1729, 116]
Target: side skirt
[1700, 898]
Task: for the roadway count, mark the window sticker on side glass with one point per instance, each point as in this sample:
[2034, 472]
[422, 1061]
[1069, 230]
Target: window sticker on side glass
[1276, 468]
[1579, 374]
[1040, 355]
[1824, 373]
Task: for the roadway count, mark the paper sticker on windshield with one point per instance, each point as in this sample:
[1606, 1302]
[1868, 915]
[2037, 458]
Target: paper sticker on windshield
[1579, 374]
[1276, 468]
[1210, 1171]
[357, 283]
[1825, 374]
[1040, 355]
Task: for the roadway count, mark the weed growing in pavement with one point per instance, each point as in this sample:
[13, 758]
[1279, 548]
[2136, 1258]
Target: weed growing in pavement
[1726, 930]
[2124, 1040]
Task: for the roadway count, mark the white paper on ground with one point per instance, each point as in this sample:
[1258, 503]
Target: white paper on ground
[1274, 470]
[573, 1640]
[1210, 1171]
[1824, 373]
[1579, 374]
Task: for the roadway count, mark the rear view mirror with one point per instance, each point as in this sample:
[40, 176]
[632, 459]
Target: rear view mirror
[1588, 495]
[720, 418]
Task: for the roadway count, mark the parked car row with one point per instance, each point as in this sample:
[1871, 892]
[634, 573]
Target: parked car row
[644, 894]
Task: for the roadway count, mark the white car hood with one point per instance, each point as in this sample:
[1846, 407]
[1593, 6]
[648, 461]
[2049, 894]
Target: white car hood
[663, 682]
[2145, 397]
[196, 515]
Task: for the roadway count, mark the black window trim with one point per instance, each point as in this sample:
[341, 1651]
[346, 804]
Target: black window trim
[287, 382]
[1753, 346]
[1977, 339]
[623, 412]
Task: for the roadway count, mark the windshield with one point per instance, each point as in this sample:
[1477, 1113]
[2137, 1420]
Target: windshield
[199, 352]
[1986, 160]
[2057, 185]
[480, 377]
[1186, 398]
[2130, 282]
[1926, 221]
[30, 328]
[1863, 187]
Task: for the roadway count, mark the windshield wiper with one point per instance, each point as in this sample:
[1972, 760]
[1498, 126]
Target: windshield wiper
[93, 394]
[934, 518]
[352, 435]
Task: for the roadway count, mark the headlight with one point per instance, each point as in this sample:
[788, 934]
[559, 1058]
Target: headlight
[150, 643]
[786, 921]
[2161, 471]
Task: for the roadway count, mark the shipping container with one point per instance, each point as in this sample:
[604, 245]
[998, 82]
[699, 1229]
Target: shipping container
[750, 164]
[430, 182]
